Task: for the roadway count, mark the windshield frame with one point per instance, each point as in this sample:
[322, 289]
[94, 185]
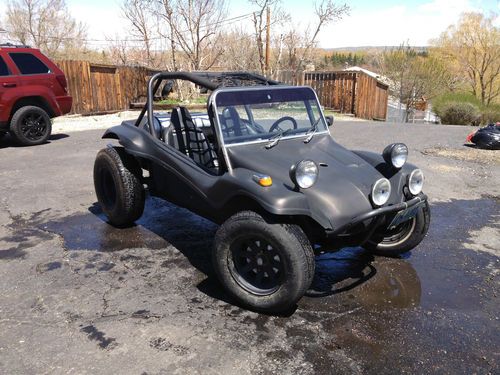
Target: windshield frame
[212, 103]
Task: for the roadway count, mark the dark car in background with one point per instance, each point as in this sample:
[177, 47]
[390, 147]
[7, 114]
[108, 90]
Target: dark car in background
[33, 90]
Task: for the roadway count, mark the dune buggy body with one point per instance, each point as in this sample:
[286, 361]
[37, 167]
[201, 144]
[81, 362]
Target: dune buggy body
[241, 156]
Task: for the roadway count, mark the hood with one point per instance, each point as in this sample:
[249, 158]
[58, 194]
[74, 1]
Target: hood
[344, 181]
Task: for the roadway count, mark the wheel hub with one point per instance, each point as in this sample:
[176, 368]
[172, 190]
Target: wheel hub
[33, 127]
[257, 266]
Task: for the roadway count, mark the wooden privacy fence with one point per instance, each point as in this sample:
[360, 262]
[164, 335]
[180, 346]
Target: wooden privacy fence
[355, 93]
[97, 88]
[100, 88]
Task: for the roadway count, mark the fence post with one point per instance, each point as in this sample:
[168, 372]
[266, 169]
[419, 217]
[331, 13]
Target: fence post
[354, 96]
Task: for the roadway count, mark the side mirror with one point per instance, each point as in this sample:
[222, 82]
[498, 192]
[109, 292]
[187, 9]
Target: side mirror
[329, 120]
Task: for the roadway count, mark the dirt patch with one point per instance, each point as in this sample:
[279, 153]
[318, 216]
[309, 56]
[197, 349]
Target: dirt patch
[475, 155]
[72, 123]
[445, 168]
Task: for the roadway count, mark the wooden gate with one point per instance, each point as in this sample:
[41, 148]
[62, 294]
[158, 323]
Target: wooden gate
[106, 88]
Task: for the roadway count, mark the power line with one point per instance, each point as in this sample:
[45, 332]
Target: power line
[224, 22]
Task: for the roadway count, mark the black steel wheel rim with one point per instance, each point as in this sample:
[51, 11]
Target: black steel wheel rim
[34, 126]
[108, 188]
[400, 233]
[256, 265]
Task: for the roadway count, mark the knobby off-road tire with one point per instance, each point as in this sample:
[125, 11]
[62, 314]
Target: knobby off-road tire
[266, 266]
[30, 125]
[403, 238]
[117, 182]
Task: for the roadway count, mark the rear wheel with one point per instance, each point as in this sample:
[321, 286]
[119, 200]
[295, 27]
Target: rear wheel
[30, 126]
[266, 266]
[404, 237]
[118, 186]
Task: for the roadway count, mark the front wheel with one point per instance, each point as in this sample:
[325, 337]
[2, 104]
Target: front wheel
[403, 238]
[266, 266]
[118, 186]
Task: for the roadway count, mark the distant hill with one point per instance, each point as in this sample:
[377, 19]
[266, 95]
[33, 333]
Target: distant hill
[372, 49]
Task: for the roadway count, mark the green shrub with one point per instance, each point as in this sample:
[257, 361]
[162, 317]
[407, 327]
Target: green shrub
[451, 106]
[453, 97]
[491, 114]
[459, 113]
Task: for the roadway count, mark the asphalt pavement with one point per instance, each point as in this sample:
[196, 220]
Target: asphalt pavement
[81, 297]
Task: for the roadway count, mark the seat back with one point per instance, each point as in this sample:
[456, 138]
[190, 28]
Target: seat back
[174, 135]
[183, 135]
[197, 145]
[231, 122]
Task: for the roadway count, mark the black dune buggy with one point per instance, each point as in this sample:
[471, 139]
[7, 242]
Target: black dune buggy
[261, 163]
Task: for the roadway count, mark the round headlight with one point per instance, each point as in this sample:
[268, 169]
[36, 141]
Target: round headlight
[396, 154]
[304, 173]
[381, 191]
[416, 182]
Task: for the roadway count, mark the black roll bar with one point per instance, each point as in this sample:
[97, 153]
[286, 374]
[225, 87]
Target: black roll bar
[208, 80]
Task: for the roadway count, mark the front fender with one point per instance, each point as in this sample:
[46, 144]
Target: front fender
[279, 199]
[397, 177]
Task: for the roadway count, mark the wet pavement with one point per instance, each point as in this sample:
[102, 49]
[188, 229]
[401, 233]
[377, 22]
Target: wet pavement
[80, 296]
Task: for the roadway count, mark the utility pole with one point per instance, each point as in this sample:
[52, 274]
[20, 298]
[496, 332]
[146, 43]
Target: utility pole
[268, 37]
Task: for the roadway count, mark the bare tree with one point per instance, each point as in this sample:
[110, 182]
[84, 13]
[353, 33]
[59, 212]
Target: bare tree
[138, 14]
[165, 10]
[119, 50]
[326, 12]
[240, 50]
[259, 19]
[194, 27]
[45, 24]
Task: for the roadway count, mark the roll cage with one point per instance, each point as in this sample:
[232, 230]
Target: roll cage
[207, 80]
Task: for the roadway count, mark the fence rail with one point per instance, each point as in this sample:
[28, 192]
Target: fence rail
[101, 88]
[354, 93]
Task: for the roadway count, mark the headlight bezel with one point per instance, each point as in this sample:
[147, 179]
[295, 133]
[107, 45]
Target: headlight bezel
[394, 151]
[300, 167]
[412, 176]
[387, 192]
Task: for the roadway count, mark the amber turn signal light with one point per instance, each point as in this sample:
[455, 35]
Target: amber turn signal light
[263, 180]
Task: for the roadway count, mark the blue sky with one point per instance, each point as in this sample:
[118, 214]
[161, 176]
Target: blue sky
[371, 22]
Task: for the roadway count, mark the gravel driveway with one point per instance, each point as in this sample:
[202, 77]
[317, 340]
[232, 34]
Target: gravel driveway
[82, 297]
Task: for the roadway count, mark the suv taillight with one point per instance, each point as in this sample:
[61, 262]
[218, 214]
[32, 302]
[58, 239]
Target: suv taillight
[62, 81]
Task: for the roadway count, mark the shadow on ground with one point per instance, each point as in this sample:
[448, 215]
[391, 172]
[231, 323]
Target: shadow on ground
[8, 141]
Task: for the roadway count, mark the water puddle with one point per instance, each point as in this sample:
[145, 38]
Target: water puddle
[161, 226]
[440, 272]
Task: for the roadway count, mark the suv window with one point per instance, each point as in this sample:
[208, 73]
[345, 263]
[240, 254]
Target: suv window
[28, 63]
[4, 70]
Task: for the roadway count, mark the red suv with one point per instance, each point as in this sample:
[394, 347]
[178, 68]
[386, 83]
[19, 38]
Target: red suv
[32, 91]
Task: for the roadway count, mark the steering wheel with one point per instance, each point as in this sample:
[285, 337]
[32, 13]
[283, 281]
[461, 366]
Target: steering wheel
[280, 120]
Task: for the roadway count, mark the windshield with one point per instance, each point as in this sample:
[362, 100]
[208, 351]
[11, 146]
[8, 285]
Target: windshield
[264, 113]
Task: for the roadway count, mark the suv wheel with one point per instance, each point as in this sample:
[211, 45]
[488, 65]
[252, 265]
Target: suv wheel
[266, 266]
[30, 126]
[117, 181]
